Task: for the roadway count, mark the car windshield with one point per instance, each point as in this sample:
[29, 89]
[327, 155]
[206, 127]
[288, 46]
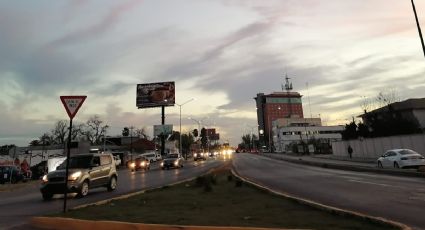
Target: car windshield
[407, 151]
[77, 162]
[173, 156]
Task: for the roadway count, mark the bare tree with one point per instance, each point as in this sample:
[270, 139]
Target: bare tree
[45, 139]
[59, 132]
[95, 130]
[141, 133]
[366, 104]
[387, 97]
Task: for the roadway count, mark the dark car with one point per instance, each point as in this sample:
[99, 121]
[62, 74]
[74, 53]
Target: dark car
[200, 156]
[10, 173]
[86, 171]
[139, 163]
[172, 161]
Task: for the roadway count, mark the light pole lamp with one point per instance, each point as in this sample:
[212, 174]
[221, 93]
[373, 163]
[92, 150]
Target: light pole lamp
[180, 135]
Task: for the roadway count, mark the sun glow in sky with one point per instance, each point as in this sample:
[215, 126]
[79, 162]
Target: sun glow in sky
[221, 52]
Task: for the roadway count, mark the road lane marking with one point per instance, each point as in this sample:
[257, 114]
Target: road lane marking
[367, 182]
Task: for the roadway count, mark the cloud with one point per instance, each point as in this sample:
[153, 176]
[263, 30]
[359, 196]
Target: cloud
[98, 29]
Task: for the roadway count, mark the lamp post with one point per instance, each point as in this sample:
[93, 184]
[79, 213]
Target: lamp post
[180, 135]
[419, 27]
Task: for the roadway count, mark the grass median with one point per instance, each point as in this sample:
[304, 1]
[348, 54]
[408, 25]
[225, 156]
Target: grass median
[219, 199]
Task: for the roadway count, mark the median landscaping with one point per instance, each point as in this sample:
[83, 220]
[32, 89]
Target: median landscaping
[220, 199]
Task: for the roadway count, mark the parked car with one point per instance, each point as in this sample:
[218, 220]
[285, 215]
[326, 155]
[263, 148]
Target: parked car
[10, 173]
[200, 156]
[172, 161]
[139, 163]
[117, 160]
[86, 171]
[401, 158]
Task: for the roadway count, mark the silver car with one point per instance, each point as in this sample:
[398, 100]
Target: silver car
[86, 171]
[401, 158]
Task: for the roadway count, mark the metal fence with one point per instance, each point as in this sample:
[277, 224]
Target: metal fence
[372, 148]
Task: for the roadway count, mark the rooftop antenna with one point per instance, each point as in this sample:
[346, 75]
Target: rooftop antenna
[288, 85]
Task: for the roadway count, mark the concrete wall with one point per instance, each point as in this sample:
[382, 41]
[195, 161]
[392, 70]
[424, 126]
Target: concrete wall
[375, 147]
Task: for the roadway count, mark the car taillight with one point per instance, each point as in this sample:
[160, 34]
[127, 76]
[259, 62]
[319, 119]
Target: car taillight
[404, 158]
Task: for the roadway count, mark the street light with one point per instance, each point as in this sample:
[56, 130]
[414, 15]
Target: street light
[419, 27]
[180, 135]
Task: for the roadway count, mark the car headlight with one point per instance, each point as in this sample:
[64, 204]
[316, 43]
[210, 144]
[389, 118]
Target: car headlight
[74, 176]
[195, 155]
[132, 165]
[142, 163]
[45, 179]
[176, 162]
[162, 164]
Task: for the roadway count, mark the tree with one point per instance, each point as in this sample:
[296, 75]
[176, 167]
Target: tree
[125, 132]
[59, 132]
[204, 138]
[141, 133]
[195, 132]
[35, 143]
[246, 141]
[350, 131]
[187, 141]
[94, 130]
[45, 139]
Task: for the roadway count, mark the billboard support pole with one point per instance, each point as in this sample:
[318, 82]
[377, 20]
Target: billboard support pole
[163, 135]
[65, 193]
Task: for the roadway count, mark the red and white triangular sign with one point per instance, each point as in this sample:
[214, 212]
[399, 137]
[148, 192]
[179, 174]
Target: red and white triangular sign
[72, 104]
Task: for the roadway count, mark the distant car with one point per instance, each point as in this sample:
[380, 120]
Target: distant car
[200, 156]
[85, 171]
[117, 160]
[10, 173]
[172, 161]
[150, 156]
[401, 158]
[139, 163]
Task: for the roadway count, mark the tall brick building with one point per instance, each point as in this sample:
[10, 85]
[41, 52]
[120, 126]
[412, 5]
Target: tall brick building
[271, 107]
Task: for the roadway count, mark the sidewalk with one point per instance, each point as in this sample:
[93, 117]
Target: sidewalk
[329, 161]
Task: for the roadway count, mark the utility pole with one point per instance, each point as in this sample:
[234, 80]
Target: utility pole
[419, 27]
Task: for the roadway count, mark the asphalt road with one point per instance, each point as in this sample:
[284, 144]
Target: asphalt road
[18, 206]
[400, 199]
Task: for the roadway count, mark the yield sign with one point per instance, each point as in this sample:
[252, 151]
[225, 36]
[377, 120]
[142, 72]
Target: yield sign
[72, 104]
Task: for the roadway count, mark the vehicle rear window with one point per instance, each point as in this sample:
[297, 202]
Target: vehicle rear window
[407, 151]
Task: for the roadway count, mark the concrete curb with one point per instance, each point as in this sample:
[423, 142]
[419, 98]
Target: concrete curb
[350, 167]
[327, 208]
[77, 224]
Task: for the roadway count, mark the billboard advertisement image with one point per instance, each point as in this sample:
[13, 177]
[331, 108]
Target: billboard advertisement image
[155, 94]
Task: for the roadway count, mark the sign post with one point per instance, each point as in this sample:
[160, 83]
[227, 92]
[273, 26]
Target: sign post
[72, 104]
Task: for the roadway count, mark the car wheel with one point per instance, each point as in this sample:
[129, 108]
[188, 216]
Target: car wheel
[181, 166]
[84, 189]
[379, 164]
[396, 165]
[47, 196]
[112, 183]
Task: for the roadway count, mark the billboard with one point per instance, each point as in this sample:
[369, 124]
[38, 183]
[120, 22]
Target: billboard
[162, 129]
[155, 94]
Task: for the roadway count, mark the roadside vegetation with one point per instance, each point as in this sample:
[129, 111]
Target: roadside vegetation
[219, 199]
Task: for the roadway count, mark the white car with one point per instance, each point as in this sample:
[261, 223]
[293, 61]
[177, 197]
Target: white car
[117, 160]
[401, 158]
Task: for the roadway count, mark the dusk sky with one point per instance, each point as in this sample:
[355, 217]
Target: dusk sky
[221, 52]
